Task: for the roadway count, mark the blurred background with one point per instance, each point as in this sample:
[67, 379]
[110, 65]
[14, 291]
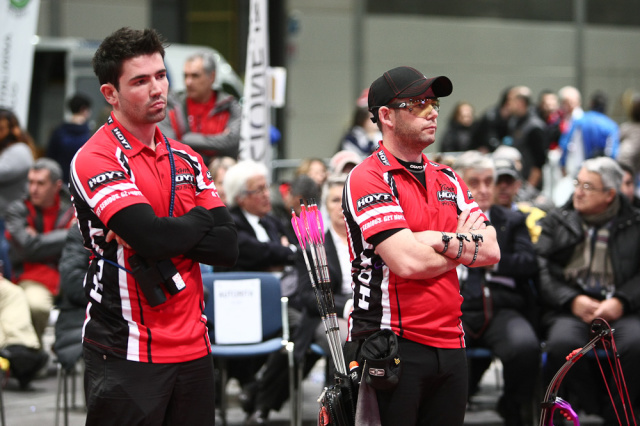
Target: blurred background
[333, 49]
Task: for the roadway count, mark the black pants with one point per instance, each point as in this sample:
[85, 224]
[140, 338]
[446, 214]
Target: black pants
[513, 340]
[584, 381]
[121, 392]
[432, 389]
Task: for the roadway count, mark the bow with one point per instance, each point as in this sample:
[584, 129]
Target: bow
[602, 333]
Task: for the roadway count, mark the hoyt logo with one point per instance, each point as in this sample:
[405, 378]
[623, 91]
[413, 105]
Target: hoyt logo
[104, 178]
[123, 141]
[185, 179]
[446, 194]
[373, 199]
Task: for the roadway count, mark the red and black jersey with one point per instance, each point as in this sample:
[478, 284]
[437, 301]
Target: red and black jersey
[381, 194]
[114, 170]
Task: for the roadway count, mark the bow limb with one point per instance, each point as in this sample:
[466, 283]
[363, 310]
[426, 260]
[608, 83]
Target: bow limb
[551, 402]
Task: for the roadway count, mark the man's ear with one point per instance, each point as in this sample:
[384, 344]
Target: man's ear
[110, 93]
[384, 116]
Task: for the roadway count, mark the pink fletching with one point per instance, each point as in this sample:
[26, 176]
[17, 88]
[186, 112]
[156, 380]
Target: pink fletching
[296, 229]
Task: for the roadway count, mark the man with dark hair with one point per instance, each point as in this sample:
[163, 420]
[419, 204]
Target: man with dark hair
[206, 119]
[410, 223]
[149, 212]
[69, 136]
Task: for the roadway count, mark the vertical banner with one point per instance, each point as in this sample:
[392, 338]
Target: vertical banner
[18, 20]
[255, 142]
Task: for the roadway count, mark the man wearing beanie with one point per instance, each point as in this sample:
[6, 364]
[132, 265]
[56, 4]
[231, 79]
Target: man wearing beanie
[411, 222]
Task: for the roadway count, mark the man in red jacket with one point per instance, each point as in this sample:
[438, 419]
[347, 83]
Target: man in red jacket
[37, 229]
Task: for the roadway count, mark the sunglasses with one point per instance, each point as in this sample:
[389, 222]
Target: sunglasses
[422, 107]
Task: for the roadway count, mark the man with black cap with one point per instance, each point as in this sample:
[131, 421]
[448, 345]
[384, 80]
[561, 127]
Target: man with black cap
[411, 222]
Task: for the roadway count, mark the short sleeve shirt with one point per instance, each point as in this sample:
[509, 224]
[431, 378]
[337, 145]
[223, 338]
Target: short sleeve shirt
[381, 194]
[112, 171]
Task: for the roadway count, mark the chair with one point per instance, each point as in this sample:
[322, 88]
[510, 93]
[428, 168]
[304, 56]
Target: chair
[272, 318]
[64, 375]
[68, 351]
[317, 350]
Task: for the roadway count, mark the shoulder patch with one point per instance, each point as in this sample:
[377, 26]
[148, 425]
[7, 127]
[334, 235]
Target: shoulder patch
[105, 178]
[370, 200]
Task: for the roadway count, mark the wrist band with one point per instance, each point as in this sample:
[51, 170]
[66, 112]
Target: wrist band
[476, 238]
[461, 237]
[445, 239]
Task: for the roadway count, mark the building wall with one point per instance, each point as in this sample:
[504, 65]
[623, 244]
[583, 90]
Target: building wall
[481, 56]
[92, 19]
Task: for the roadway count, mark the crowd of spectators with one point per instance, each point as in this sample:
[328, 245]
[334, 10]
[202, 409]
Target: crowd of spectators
[562, 265]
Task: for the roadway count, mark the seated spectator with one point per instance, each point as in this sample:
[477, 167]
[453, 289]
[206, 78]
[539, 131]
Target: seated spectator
[18, 339]
[313, 167]
[526, 194]
[458, 136]
[218, 168]
[628, 186]
[262, 241]
[508, 183]
[72, 302]
[342, 162]
[588, 254]
[273, 388]
[16, 157]
[497, 308]
[37, 229]
[69, 136]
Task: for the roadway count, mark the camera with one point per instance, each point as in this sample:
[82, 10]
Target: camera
[153, 275]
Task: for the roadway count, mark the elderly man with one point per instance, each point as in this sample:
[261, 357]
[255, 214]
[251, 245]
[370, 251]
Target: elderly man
[207, 120]
[37, 228]
[588, 254]
[498, 311]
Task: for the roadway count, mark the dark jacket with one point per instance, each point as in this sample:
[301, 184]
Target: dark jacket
[255, 255]
[73, 302]
[562, 231]
[517, 261]
[304, 334]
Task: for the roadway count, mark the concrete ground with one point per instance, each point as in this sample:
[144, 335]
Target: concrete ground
[36, 407]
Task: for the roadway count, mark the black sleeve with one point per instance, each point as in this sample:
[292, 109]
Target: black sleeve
[154, 237]
[381, 236]
[219, 247]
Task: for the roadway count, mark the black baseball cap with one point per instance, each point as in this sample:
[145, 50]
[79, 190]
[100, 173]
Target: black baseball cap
[405, 82]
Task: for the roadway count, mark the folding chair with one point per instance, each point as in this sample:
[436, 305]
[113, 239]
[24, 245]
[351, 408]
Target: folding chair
[271, 320]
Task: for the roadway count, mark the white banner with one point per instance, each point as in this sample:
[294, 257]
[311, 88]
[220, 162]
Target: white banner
[255, 143]
[18, 20]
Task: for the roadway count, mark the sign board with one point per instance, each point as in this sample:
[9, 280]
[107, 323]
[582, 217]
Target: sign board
[18, 20]
[237, 311]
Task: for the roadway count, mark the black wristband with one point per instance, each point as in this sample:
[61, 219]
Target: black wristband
[461, 238]
[445, 239]
[476, 239]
